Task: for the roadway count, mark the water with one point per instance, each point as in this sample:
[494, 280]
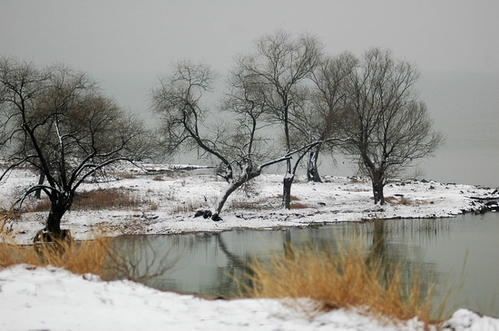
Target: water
[460, 252]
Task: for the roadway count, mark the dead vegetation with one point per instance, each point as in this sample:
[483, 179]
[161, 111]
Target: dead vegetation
[98, 256]
[345, 279]
[100, 199]
[400, 200]
[76, 257]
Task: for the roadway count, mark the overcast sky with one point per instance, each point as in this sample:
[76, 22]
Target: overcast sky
[127, 44]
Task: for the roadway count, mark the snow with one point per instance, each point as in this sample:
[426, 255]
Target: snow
[54, 299]
[169, 203]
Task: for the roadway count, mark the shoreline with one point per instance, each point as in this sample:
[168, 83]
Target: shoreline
[166, 204]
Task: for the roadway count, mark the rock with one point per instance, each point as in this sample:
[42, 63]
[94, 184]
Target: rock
[216, 218]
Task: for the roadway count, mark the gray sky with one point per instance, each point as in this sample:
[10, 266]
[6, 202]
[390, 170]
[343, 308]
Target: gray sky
[127, 44]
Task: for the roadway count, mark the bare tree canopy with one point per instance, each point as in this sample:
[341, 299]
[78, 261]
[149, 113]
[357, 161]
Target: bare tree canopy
[178, 101]
[320, 119]
[237, 144]
[366, 107]
[56, 120]
[281, 66]
[385, 124]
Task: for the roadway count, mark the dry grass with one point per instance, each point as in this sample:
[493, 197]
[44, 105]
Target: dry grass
[186, 207]
[265, 203]
[297, 205]
[406, 201]
[342, 279]
[98, 257]
[258, 205]
[106, 199]
[292, 198]
[100, 199]
[126, 175]
[357, 180]
[79, 258]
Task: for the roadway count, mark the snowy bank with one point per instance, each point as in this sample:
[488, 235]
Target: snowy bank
[54, 299]
[167, 203]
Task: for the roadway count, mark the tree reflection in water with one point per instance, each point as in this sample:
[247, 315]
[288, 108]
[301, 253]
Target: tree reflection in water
[210, 263]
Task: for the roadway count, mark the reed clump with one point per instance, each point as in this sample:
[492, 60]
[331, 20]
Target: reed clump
[90, 256]
[99, 256]
[341, 279]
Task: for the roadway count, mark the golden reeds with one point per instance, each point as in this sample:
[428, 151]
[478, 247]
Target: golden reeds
[345, 278]
[78, 257]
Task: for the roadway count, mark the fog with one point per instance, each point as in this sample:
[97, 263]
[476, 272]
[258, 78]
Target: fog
[126, 45]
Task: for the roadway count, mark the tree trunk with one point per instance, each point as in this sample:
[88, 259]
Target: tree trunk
[41, 179]
[378, 187]
[221, 202]
[59, 207]
[312, 168]
[286, 186]
[286, 190]
[243, 178]
[54, 220]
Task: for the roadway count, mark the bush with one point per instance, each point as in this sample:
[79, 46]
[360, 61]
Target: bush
[98, 256]
[77, 257]
[344, 279]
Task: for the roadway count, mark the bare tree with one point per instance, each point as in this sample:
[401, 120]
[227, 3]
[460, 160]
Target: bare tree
[319, 120]
[282, 66]
[56, 120]
[178, 100]
[386, 126]
[184, 119]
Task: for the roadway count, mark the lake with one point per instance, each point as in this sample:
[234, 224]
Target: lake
[461, 253]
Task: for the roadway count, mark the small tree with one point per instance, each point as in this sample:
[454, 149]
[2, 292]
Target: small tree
[319, 122]
[385, 125]
[282, 66]
[56, 120]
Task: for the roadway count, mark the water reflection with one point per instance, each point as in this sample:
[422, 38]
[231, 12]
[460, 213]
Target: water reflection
[209, 263]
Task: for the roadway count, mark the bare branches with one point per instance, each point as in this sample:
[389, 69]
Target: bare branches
[178, 101]
[56, 119]
[386, 126]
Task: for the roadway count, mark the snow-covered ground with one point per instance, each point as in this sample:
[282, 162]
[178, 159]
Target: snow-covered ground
[168, 203]
[53, 299]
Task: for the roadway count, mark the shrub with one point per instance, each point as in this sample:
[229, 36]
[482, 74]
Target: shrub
[77, 257]
[98, 256]
[342, 279]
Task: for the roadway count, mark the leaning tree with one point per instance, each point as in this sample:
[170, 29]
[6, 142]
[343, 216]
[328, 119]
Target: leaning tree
[56, 120]
[178, 100]
[385, 126]
[185, 122]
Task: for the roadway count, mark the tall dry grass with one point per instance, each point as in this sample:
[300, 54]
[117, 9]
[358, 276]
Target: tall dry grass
[98, 256]
[344, 279]
[78, 257]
